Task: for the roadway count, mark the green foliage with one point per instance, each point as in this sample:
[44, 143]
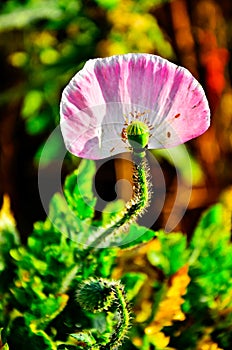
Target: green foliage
[208, 300]
[209, 295]
[172, 254]
[137, 235]
[133, 283]
[3, 344]
[78, 190]
[184, 302]
[54, 38]
[107, 4]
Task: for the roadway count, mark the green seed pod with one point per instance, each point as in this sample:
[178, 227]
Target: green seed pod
[138, 135]
[95, 295]
[104, 295]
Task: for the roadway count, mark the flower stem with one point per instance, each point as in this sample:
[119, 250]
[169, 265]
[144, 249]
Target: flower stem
[133, 208]
[121, 305]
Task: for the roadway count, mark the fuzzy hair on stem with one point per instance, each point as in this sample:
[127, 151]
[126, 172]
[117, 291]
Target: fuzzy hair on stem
[133, 209]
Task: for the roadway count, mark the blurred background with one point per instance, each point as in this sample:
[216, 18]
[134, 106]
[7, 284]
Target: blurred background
[44, 43]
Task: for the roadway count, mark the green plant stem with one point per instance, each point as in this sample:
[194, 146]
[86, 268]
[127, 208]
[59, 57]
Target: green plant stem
[133, 208]
[123, 325]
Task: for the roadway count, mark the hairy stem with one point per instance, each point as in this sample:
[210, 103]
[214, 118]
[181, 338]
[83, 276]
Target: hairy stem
[133, 208]
[123, 325]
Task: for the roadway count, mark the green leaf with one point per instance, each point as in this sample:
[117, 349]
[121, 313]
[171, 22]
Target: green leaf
[40, 340]
[159, 260]
[3, 343]
[45, 311]
[78, 190]
[24, 336]
[106, 261]
[213, 216]
[137, 235]
[172, 254]
[210, 265]
[5, 347]
[211, 229]
[82, 337]
[82, 178]
[133, 282]
[64, 217]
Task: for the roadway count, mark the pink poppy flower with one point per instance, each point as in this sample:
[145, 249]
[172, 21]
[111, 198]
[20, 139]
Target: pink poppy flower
[109, 94]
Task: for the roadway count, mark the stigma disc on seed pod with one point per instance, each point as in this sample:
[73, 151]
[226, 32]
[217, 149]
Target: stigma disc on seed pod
[137, 134]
